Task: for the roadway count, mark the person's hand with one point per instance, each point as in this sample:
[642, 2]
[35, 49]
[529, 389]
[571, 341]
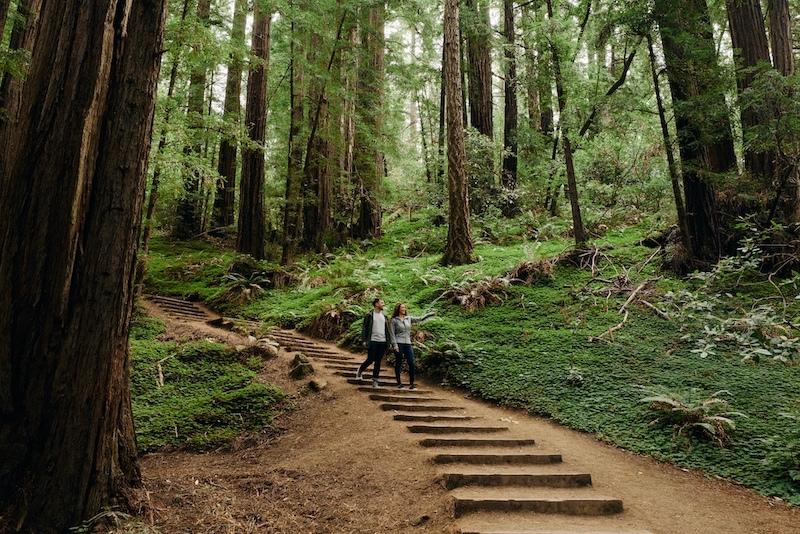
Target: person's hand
[395, 349]
[364, 344]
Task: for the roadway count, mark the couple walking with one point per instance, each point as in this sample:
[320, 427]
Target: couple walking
[380, 334]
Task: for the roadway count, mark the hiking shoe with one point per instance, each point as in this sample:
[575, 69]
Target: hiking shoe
[358, 375]
[412, 386]
[399, 385]
[375, 384]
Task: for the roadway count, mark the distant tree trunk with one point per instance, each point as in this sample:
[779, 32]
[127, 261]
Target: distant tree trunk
[189, 221]
[70, 212]
[672, 166]
[531, 74]
[459, 248]
[572, 185]
[511, 113]
[23, 35]
[4, 5]
[345, 205]
[440, 137]
[369, 160]
[250, 235]
[691, 60]
[545, 86]
[423, 136]
[225, 197]
[780, 34]
[479, 33]
[749, 38]
[293, 210]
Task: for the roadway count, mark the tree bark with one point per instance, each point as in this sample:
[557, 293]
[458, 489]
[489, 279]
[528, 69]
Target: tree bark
[225, 198]
[531, 73]
[704, 140]
[442, 112]
[293, 211]
[4, 5]
[572, 185]
[478, 33]
[672, 166]
[369, 159]
[780, 35]
[250, 235]
[459, 248]
[509, 177]
[70, 213]
[189, 212]
[749, 38]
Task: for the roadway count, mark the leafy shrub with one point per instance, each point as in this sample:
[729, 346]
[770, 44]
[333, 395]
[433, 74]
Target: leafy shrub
[690, 415]
[575, 376]
[448, 359]
[783, 458]
[240, 289]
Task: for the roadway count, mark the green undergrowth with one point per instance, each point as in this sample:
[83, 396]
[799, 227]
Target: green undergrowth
[197, 395]
[539, 350]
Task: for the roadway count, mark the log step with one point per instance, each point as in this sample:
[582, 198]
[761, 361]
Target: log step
[390, 386]
[430, 418]
[455, 429]
[571, 502]
[497, 458]
[476, 442]
[393, 390]
[461, 478]
[401, 398]
[403, 407]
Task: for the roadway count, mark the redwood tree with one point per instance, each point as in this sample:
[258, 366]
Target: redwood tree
[510, 107]
[72, 182]
[459, 248]
[293, 210]
[478, 36]
[224, 199]
[250, 237]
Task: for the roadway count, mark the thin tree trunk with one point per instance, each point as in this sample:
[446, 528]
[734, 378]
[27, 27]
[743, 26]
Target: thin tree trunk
[70, 211]
[479, 33]
[4, 5]
[674, 173]
[425, 154]
[189, 211]
[369, 160]
[691, 60]
[459, 248]
[440, 138]
[250, 235]
[531, 73]
[572, 186]
[293, 210]
[749, 38]
[545, 84]
[509, 176]
[225, 198]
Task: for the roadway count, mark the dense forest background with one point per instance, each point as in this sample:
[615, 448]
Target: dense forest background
[600, 198]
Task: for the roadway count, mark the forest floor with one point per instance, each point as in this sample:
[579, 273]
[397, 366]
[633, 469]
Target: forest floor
[336, 463]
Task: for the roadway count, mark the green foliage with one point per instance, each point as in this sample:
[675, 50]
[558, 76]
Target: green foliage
[783, 455]
[198, 395]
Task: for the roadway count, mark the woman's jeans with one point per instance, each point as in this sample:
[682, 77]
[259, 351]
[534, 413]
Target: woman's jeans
[405, 351]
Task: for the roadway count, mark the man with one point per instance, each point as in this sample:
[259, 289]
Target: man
[377, 336]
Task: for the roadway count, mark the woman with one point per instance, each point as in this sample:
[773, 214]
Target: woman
[400, 327]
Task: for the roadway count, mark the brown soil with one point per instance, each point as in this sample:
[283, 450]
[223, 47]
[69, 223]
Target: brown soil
[336, 463]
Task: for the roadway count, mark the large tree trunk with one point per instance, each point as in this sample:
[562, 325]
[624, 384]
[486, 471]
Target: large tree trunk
[225, 197]
[509, 176]
[293, 210]
[23, 34]
[479, 32]
[250, 237]
[345, 205]
[572, 184]
[705, 141]
[749, 38]
[70, 210]
[369, 159]
[459, 248]
[189, 221]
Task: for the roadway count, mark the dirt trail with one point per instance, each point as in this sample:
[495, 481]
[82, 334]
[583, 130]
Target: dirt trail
[342, 464]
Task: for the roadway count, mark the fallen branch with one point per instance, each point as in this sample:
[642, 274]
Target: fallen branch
[631, 297]
[613, 329]
[658, 312]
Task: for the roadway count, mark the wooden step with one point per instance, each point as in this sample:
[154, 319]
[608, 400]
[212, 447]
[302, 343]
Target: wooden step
[429, 418]
[543, 501]
[408, 407]
[393, 390]
[455, 429]
[401, 398]
[518, 458]
[476, 442]
[512, 477]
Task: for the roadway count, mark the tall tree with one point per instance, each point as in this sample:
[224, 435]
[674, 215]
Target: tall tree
[531, 71]
[572, 183]
[701, 116]
[72, 184]
[749, 38]
[509, 177]
[459, 248]
[4, 7]
[189, 213]
[225, 197]
[293, 210]
[479, 39]
[250, 236]
[368, 157]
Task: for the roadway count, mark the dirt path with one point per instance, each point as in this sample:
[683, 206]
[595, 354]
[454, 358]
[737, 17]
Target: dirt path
[342, 464]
